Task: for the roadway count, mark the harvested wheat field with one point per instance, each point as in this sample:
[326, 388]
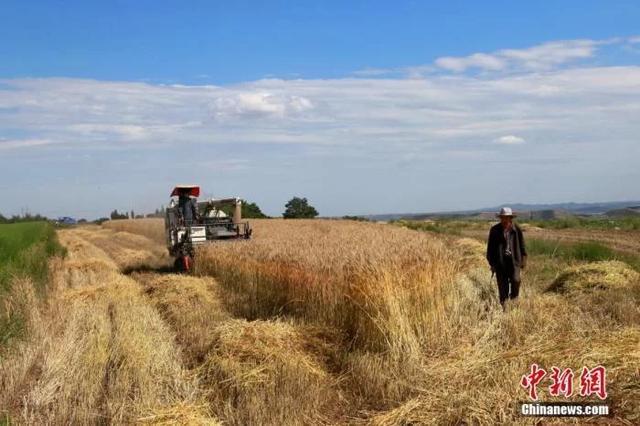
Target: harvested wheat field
[98, 351]
[311, 322]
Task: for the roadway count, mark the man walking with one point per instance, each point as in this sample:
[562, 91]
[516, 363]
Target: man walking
[506, 254]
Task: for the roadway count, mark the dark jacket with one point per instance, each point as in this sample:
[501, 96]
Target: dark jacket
[188, 209]
[496, 245]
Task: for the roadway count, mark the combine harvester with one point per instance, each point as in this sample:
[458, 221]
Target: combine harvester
[189, 223]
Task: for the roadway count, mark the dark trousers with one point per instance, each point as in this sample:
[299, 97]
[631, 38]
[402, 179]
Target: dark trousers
[508, 280]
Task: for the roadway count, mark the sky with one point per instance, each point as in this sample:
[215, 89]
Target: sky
[362, 107]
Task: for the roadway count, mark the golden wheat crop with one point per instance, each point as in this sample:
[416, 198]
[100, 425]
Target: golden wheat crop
[360, 278]
[419, 316]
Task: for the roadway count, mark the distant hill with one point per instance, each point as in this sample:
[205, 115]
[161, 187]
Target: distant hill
[529, 211]
[574, 208]
[546, 214]
[627, 211]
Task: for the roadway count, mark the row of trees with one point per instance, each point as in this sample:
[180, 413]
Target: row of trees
[115, 215]
[28, 217]
[296, 208]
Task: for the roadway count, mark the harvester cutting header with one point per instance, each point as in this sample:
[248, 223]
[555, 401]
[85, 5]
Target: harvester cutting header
[189, 223]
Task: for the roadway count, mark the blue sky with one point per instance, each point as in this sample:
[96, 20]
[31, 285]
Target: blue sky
[226, 42]
[363, 107]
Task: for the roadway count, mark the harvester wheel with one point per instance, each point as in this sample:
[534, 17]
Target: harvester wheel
[177, 264]
[183, 264]
[187, 263]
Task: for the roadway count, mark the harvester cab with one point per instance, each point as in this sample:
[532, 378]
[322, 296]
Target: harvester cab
[189, 223]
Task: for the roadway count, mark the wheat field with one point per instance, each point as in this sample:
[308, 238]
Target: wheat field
[310, 322]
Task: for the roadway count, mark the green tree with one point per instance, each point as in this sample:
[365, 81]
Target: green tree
[252, 211]
[115, 215]
[27, 217]
[249, 211]
[299, 208]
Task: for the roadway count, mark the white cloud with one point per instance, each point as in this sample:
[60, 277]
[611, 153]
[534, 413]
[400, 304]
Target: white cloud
[22, 143]
[124, 132]
[259, 104]
[477, 60]
[345, 112]
[541, 57]
[373, 72]
[548, 55]
[510, 140]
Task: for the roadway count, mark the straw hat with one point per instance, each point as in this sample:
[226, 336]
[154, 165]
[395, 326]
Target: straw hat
[506, 212]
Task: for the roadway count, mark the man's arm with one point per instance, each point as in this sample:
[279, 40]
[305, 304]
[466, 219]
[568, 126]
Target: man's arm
[490, 248]
[523, 248]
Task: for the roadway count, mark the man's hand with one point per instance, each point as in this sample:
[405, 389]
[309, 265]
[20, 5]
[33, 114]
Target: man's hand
[493, 269]
[523, 264]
